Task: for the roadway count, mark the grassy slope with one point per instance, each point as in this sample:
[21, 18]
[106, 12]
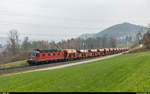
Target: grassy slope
[14, 64]
[129, 72]
[136, 48]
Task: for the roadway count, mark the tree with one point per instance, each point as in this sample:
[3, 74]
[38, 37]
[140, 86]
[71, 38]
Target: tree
[53, 45]
[113, 42]
[13, 42]
[25, 44]
[146, 38]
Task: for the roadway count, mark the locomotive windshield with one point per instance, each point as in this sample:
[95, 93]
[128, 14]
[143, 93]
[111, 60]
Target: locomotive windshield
[34, 54]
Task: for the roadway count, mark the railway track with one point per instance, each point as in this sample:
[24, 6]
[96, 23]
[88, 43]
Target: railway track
[13, 68]
[20, 68]
[28, 67]
[25, 67]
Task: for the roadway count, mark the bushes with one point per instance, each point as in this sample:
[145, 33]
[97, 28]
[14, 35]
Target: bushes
[20, 56]
[146, 40]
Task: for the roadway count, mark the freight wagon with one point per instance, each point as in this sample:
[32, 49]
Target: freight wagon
[45, 56]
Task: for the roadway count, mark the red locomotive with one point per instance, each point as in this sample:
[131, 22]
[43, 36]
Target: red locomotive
[37, 56]
[44, 56]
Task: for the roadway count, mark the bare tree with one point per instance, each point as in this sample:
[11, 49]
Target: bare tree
[146, 38]
[13, 42]
[25, 44]
[53, 45]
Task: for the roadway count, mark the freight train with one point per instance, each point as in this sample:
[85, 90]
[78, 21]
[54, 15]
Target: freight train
[45, 56]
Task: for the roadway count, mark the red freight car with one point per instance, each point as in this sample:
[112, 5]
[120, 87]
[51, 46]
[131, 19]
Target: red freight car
[94, 52]
[84, 53]
[102, 52]
[115, 50]
[79, 54]
[98, 52]
[111, 51]
[90, 54]
[106, 51]
[70, 54]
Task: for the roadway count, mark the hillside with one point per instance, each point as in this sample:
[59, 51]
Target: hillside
[129, 72]
[119, 31]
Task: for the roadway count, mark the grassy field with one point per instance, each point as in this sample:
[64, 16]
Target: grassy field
[126, 73]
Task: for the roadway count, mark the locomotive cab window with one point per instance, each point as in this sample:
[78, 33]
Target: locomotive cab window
[58, 53]
[37, 54]
[53, 54]
[33, 54]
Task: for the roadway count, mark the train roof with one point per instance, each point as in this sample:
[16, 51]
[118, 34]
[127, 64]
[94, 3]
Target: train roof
[101, 49]
[83, 50]
[94, 50]
[45, 51]
[70, 50]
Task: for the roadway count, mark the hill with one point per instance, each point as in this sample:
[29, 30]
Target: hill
[119, 31]
[128, 72]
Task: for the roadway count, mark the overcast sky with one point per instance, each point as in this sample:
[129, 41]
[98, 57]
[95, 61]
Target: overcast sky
[62, 19]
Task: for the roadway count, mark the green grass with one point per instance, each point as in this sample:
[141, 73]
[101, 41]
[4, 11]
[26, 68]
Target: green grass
[14, 64]
[126, 73]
